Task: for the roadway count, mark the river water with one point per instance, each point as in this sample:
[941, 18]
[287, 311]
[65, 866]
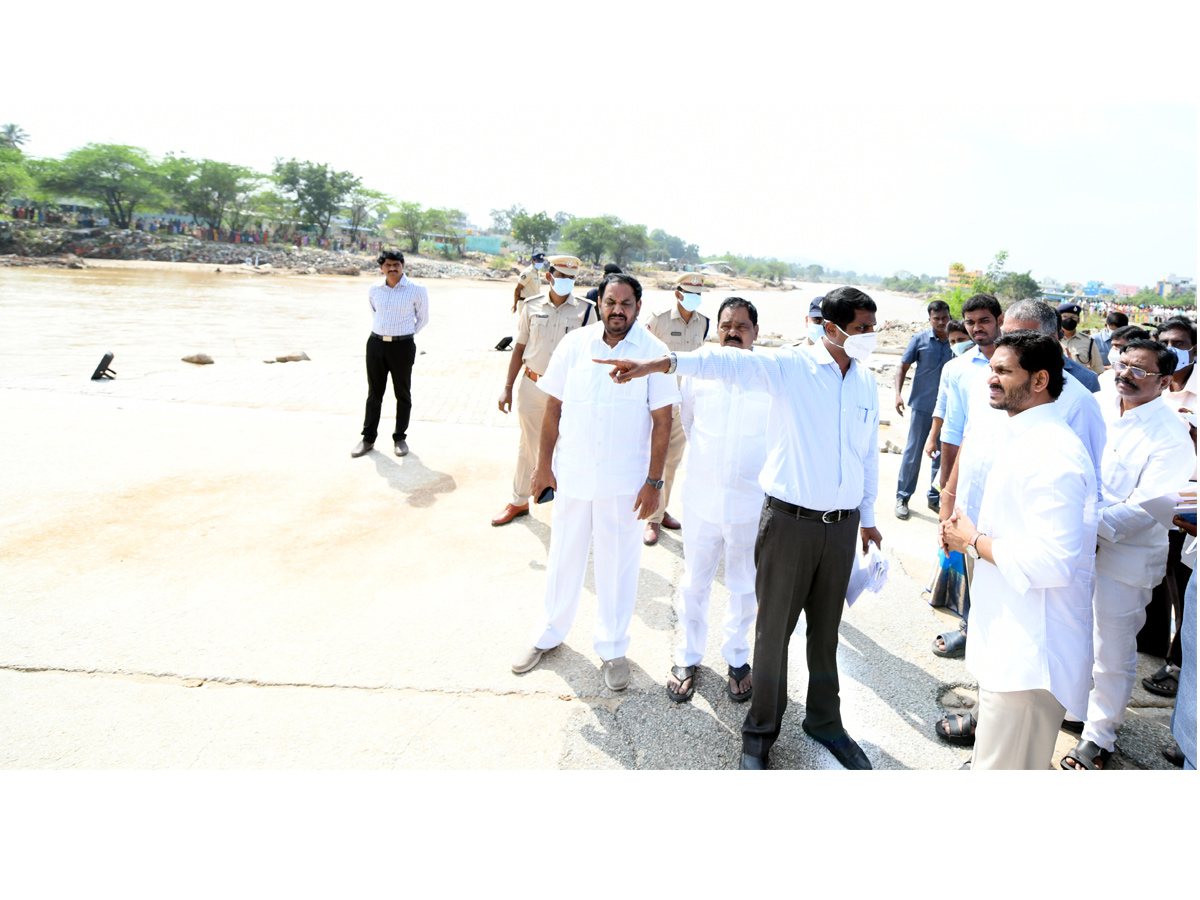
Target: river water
[57, 323]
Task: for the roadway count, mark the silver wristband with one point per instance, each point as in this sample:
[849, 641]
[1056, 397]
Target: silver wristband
[673, 363]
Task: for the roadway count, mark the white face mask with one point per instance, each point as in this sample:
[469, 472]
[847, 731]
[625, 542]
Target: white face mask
[564, 286]
[858, 346]
[690, 301]
[539, 266]
[1184, 356]
[815, 332]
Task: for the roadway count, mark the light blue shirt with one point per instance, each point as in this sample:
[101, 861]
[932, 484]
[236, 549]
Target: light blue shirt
[400, 310]
[822, 429]
[957, 376]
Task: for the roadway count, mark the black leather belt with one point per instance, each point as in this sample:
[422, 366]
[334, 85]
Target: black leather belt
[800, 512]
[392, 337]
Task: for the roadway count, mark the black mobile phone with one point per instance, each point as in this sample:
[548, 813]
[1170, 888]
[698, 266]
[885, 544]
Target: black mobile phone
[546, 495]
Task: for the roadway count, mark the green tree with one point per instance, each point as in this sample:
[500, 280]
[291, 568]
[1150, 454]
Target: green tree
[14, 175]
[560, 222]
[502, 219]
[117, 176]
[12, 136]
[589, 238]
[409, 221]
[627, 241]
[813, 272]
[363, 204]
[1018, 286]
[207, 188]
[989, 282]
[534, 230]
[316, 190]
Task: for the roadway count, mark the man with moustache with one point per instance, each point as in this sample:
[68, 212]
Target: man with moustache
[1034, 548]
[821, 477]
[727, 431]
[602, 452]
[1148, 455]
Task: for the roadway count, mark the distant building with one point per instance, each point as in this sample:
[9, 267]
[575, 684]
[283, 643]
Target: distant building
[959, 275]
[1173, 284]
[1126, 290]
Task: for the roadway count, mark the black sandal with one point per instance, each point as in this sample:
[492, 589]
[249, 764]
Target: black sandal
[737, 675]
[1085, 754]
[1164, 682]
[959, 730]
[682, 674]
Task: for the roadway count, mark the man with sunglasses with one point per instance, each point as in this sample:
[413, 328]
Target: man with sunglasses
[1147, 456]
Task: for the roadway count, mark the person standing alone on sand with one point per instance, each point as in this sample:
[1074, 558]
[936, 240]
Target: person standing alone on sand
[399, 309]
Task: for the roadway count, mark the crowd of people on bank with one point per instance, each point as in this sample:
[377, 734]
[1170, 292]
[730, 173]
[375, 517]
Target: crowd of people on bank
[1057, 497]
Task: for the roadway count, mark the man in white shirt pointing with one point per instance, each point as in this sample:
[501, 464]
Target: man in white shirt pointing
[821, 477]
[726, 427]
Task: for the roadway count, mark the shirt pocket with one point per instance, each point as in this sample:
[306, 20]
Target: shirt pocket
[866, 418]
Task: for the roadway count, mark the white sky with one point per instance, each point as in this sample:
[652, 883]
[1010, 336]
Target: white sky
[858, 138]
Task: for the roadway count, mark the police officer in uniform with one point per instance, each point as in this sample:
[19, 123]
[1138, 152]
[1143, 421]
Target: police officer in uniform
[681, 328]
[544, 320]
[529, 282]
[1076, 345]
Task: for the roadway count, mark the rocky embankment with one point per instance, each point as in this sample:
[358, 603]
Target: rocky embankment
[25, 245]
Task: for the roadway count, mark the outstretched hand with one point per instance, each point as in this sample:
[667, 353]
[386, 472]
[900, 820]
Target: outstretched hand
[624, 370]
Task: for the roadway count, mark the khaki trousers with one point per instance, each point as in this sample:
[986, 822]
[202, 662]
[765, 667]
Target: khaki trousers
[531, 409]
[1016, 729]
[674, 456]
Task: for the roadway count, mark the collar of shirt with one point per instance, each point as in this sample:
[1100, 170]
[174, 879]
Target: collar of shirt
[821, 354]
[676, 314]
[1112, 406]
[403, 282]
[1023, 421]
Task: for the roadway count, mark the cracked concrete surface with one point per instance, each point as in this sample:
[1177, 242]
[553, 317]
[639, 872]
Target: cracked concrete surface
[190, 580]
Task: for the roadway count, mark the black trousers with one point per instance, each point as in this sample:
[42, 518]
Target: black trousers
[1155, 637]
[803, 565]
[396, 358]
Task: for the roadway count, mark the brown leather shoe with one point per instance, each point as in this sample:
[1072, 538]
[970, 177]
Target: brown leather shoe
[362, 449]
[510, 512]
[650, 538]
[669, 521]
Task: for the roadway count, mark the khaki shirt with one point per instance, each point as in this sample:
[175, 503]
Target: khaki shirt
[530, 281]
[677, 334]
[541, 325]
[1085, 351]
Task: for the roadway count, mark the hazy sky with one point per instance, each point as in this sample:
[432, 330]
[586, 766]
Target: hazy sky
[853, 138]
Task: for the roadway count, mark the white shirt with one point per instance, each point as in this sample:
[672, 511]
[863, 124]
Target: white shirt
[822, 430]
[726, 428]
[957, 376]
[1149, 454]
[1076, 406]
[603, 445]
[1031, 612]
[399, 310]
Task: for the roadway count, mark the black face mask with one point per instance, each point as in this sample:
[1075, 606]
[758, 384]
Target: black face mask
[1070, 324]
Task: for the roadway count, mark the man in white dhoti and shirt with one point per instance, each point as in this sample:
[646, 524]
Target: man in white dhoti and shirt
[726, 427]
[1149, 455]
[1034, 546]
[603, 451]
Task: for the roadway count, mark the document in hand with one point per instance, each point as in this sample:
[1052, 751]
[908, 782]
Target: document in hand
[1164, 509]
[869, 573]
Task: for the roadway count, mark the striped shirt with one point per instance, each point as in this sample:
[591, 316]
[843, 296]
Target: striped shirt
[822, 429]
[400, 310]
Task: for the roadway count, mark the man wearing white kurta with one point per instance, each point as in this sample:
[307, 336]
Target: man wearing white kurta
[1148, 456]
[603, 450]
[726, 427]
[1031, 611]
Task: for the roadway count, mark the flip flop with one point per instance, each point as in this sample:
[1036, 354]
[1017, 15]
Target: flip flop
[955, 643]
[737, 675]
[682, 674]
[1164, 682]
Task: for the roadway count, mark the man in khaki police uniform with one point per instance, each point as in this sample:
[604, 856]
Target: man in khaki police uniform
[1079, 347]
[544, 320]
[529, 282]
[680, 328]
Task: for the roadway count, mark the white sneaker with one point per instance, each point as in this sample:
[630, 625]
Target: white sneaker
[616, 673]
[527, 659]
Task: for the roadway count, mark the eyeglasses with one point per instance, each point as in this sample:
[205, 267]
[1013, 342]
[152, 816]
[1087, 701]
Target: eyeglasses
[1136, 371]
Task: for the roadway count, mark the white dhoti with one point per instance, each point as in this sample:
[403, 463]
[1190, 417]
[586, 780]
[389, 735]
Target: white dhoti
[1016, 730]
[1120, 613]
[618, 554]
[703, 545]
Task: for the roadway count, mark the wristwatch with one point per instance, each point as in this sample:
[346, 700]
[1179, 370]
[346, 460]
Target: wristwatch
[672, 364]
[657, 485]
[972, 550]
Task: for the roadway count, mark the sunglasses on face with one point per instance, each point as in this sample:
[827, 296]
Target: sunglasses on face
[1136, 371]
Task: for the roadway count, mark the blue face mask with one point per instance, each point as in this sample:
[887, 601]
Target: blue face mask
[815, 332]
[564, 286]
[539, 266]
[961, 347]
